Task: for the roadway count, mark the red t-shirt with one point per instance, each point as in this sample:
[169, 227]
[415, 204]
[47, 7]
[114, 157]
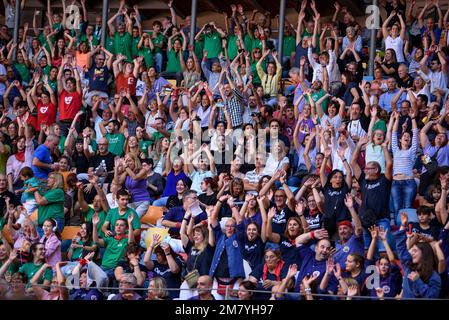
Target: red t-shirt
[45, 114]
[69, 104]
[126, 82]
[32, 121]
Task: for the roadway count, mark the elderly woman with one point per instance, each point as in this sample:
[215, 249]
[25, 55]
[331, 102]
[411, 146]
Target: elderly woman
[51, 204]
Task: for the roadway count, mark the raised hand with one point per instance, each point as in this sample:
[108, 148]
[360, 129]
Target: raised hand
[271, 213]
[373, 231]
[349, 201]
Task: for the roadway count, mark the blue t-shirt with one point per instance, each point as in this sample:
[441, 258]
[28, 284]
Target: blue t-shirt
[42, 153]
[176, 214]
[173, 280]
[172, 180]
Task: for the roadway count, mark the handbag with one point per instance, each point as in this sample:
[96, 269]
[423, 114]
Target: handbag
[192, 277]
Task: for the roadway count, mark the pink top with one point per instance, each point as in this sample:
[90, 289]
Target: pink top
[14, 166]
[52, 250]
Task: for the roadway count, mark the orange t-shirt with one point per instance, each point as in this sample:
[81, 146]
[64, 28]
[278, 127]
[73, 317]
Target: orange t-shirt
[81, 60]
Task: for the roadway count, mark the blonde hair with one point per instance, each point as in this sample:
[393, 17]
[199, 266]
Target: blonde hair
[59, 180]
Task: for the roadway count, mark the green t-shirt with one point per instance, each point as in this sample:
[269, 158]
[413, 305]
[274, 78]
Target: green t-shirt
[147, 55]
[77, 253]
[380, 125]
[289, 46]
[305, 33]
[61, 143]
[30, 270]
[123, 45]
[43, 42]
[155, 137]
[113, 215]
[173, 63]
[114, 253]
[102, 215]
[199, 45]
[116, 142]
[110, 45]
[54, 208]
[23, 71]
[256, 78]
[317, 96]
[135, 50]
[232, 47]
[13, 267]
[158, 41]
[212, 44]
[143, 146]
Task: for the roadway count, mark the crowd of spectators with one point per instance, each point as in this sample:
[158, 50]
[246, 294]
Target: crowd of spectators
[293, 177]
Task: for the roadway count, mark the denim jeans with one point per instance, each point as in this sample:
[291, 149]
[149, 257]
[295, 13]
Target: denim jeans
[161, 202]
[158, 62]
[385, 223]
[403, 193]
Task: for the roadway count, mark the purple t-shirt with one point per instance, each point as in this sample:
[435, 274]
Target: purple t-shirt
[137, 189]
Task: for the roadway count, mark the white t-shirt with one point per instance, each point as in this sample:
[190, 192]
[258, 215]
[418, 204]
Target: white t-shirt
[397, 45]
[272, 165]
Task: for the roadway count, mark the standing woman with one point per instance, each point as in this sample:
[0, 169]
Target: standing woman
[195, 241]
[59, 51]
[134, 178]
[51, 204]
[52, 242]
[395, 39]
[191, 70]
[252, 236]
[335, 188]
[404, 188]
[420, 278]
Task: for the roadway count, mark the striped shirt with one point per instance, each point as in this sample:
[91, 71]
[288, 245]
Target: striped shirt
[404, 159]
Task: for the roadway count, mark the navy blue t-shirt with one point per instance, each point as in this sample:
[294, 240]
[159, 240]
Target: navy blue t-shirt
[280, 219]
[173, 280]
[176, 214]
[289, 251]
[252, 251]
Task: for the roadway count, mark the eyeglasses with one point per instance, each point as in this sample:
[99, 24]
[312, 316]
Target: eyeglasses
[230, 226]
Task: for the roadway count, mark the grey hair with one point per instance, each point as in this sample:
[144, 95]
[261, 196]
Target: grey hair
[131, 278]
[294, 70]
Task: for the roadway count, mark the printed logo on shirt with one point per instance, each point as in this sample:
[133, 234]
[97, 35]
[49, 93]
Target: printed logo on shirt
[286, 243]
[345, 249]
[250, 248]
[373, 186]
[43, 109]
[130, 80]
[316, 273]
[386, 289]
[160, 272]
[235, 244]
[280, 218]
[93, 297]
[68, 100]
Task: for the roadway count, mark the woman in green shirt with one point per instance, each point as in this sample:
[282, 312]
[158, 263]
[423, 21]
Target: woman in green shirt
[174, 69]
[51, 204]
[22, 64]
[145, 48]
[82, 244]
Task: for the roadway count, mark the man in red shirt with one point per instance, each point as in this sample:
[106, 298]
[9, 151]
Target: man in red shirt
[70, 97]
